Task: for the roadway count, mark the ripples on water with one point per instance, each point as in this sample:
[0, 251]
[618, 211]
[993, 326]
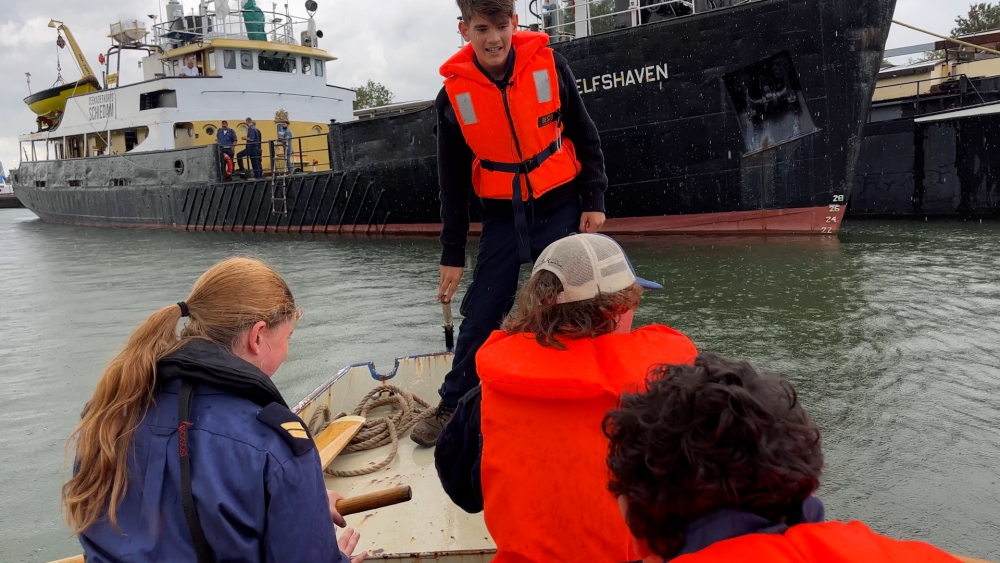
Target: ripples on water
[890, 336]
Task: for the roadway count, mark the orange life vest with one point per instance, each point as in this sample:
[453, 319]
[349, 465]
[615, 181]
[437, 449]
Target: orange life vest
[829, 542]
[514, 129]
[543, 466]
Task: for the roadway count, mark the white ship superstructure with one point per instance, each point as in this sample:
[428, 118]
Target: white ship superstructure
[222, 63]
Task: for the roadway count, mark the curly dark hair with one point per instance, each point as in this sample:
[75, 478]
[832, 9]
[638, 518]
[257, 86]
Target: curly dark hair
[708, 436]
[538, 313]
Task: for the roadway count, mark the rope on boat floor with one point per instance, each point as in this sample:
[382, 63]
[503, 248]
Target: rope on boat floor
[406, 410]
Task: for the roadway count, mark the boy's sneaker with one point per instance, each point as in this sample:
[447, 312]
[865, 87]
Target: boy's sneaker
[426, 432]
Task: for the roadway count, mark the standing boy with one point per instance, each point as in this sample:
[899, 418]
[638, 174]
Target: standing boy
[511, 127]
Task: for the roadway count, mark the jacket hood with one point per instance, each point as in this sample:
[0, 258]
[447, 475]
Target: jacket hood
[524, 43]
[203, 361]
[590, 367]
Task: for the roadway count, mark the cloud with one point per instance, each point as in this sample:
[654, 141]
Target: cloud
[400, 43]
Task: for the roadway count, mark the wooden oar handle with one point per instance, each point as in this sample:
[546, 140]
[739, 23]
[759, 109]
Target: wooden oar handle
[371, 501]
[446, 308]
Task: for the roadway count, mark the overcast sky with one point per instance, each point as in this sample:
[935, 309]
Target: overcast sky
[399, 43]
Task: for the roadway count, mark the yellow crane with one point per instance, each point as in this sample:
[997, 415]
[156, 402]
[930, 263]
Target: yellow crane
[81, 61]
[49, 104]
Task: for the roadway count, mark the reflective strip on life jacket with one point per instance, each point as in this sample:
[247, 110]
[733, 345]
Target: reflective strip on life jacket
[543, 87]
[465, 108]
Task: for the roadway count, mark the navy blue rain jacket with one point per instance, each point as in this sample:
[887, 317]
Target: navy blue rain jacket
[458, 454]
[226, 137]
[253, 140]
[258, 491]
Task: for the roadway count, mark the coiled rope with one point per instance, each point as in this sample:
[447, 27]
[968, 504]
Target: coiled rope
[405, 411]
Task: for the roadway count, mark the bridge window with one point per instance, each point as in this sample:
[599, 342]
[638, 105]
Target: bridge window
[319, 67]
[229, 59]
[211, 60]
[246, 60]
[306, 65]
[276, 63]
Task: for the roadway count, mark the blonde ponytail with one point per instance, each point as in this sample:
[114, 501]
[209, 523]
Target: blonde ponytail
[105, 431]
[225, 301]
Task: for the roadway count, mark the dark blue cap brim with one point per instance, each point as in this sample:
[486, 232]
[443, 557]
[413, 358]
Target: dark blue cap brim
[646, 284]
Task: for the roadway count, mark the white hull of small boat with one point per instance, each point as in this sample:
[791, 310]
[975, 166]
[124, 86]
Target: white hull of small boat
[428, 528]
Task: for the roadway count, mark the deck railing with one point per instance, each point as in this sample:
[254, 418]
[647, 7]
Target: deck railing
[308, 153]
[565, 20]
[953, 95]
[277, 27]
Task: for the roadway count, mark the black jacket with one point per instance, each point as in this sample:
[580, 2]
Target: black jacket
[459, 452]
[455, 166]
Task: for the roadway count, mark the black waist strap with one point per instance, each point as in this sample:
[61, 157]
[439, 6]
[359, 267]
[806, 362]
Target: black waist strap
[525, 167]
[517, 200]
[201, 547]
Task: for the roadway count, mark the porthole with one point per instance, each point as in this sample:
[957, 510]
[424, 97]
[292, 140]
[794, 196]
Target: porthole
[317, 130]
[210, 130]
[179, 166]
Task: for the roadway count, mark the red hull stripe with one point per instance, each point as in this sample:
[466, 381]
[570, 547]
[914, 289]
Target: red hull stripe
[809, 220]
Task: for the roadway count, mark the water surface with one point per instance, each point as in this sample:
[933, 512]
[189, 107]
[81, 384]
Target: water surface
[890, 335]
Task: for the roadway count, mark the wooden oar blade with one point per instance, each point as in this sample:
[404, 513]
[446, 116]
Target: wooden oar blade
[335, 437]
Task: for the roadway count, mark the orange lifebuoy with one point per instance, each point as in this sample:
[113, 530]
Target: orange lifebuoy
[229, 166]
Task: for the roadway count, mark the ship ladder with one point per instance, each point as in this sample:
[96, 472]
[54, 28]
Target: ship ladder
[279, 194]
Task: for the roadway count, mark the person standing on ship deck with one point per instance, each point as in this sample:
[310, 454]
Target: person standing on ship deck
[226, 138]
[252, 151]
[285, 139]
[513, 128]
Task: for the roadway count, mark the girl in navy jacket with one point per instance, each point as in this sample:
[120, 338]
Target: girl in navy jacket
[188, 452]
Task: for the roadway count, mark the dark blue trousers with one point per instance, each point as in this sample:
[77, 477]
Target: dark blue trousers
[494, 288]
[254, 154]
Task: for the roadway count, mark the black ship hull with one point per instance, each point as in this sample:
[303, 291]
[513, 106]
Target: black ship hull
[744, 119]
[939, 162]
[9, 201]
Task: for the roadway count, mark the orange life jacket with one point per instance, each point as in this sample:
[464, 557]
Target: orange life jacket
[514, 129]
[829, 542]
[543, 466]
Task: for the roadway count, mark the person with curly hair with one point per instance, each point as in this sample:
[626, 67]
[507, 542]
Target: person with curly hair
[715, 462]
[526, 446]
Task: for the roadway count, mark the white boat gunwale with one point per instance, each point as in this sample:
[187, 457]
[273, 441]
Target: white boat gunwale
[376, 376]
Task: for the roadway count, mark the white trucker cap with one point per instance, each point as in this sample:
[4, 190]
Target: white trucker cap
[588, 265]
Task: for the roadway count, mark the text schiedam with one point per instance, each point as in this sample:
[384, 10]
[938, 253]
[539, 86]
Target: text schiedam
[101, 106]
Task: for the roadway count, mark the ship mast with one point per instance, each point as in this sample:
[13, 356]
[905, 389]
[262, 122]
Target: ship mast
[81, 60]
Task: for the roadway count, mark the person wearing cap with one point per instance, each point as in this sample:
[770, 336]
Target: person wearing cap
[526, 446]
